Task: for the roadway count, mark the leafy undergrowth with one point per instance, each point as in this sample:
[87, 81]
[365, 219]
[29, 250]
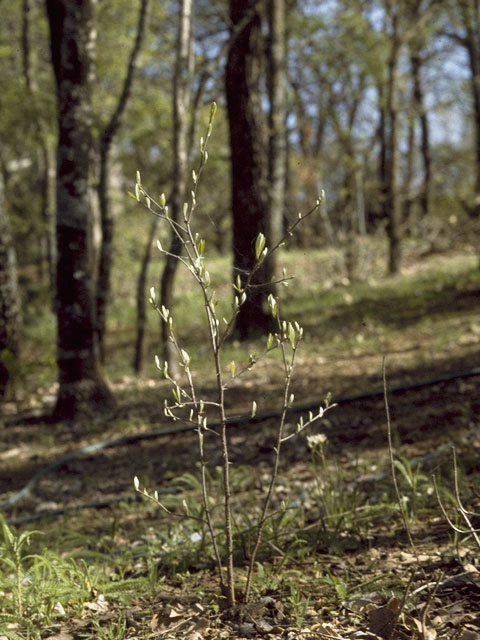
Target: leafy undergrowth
[336, 561]
[343, 555]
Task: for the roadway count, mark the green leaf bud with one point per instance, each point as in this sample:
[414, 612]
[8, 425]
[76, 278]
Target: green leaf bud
[260, 245]
[272, 305]
[185, 357]
[177, 394]
[164, 312]
[291, 335]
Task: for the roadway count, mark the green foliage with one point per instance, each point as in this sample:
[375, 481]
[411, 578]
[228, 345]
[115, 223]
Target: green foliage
[40, 588]
[417, 483]
[14, 557]
[109, 631]
[337, 503]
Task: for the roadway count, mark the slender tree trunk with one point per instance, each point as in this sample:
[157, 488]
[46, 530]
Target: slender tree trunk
[139, 354]
[250, 206]
[106, 212]
[277, 148]
[181, 104]
[410, 162]
[360, 199]
[43, 137]
[9, 298]
[470, 40]
[421, 112]
[206, 74]
[382, 157]
[49, 188]
[26, 49]
[474, 58]
[391, 188]
[82, 389]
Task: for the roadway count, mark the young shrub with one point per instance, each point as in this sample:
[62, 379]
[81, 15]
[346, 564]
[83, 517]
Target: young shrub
[202, 413]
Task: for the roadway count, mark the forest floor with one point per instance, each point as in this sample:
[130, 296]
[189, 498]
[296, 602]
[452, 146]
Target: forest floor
[339, 559]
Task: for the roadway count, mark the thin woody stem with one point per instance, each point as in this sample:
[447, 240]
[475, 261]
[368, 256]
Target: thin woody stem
[288, 366]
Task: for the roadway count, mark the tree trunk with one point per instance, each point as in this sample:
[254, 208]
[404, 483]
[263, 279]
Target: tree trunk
[472, 45]
[205, 76]
[409, 170]
[9, 298]
[139, 354]
[106, 213]
[43, 138]
[277, 147]
[382, 156]
[82, 389]
[392, 202]
[181, 104]
[250, 206]
[421, 113]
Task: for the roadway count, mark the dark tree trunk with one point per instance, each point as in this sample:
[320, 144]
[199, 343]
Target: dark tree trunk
[82, 388]
[43, 137]
[106, 213]
[382, 156]
[472, 45]
[48, 208]
[194, 108]
[26, 48]
[9, 298]
[181, 104]
[250, 206]
[421, 113]
[392, 202]
[277, 143]
[139, 355]
[410, 162]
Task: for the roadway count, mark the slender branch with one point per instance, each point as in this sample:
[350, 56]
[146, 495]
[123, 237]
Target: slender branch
[461, 509]
[288, 367]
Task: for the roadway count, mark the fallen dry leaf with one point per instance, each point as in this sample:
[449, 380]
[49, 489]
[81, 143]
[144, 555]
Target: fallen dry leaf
[383, 619]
